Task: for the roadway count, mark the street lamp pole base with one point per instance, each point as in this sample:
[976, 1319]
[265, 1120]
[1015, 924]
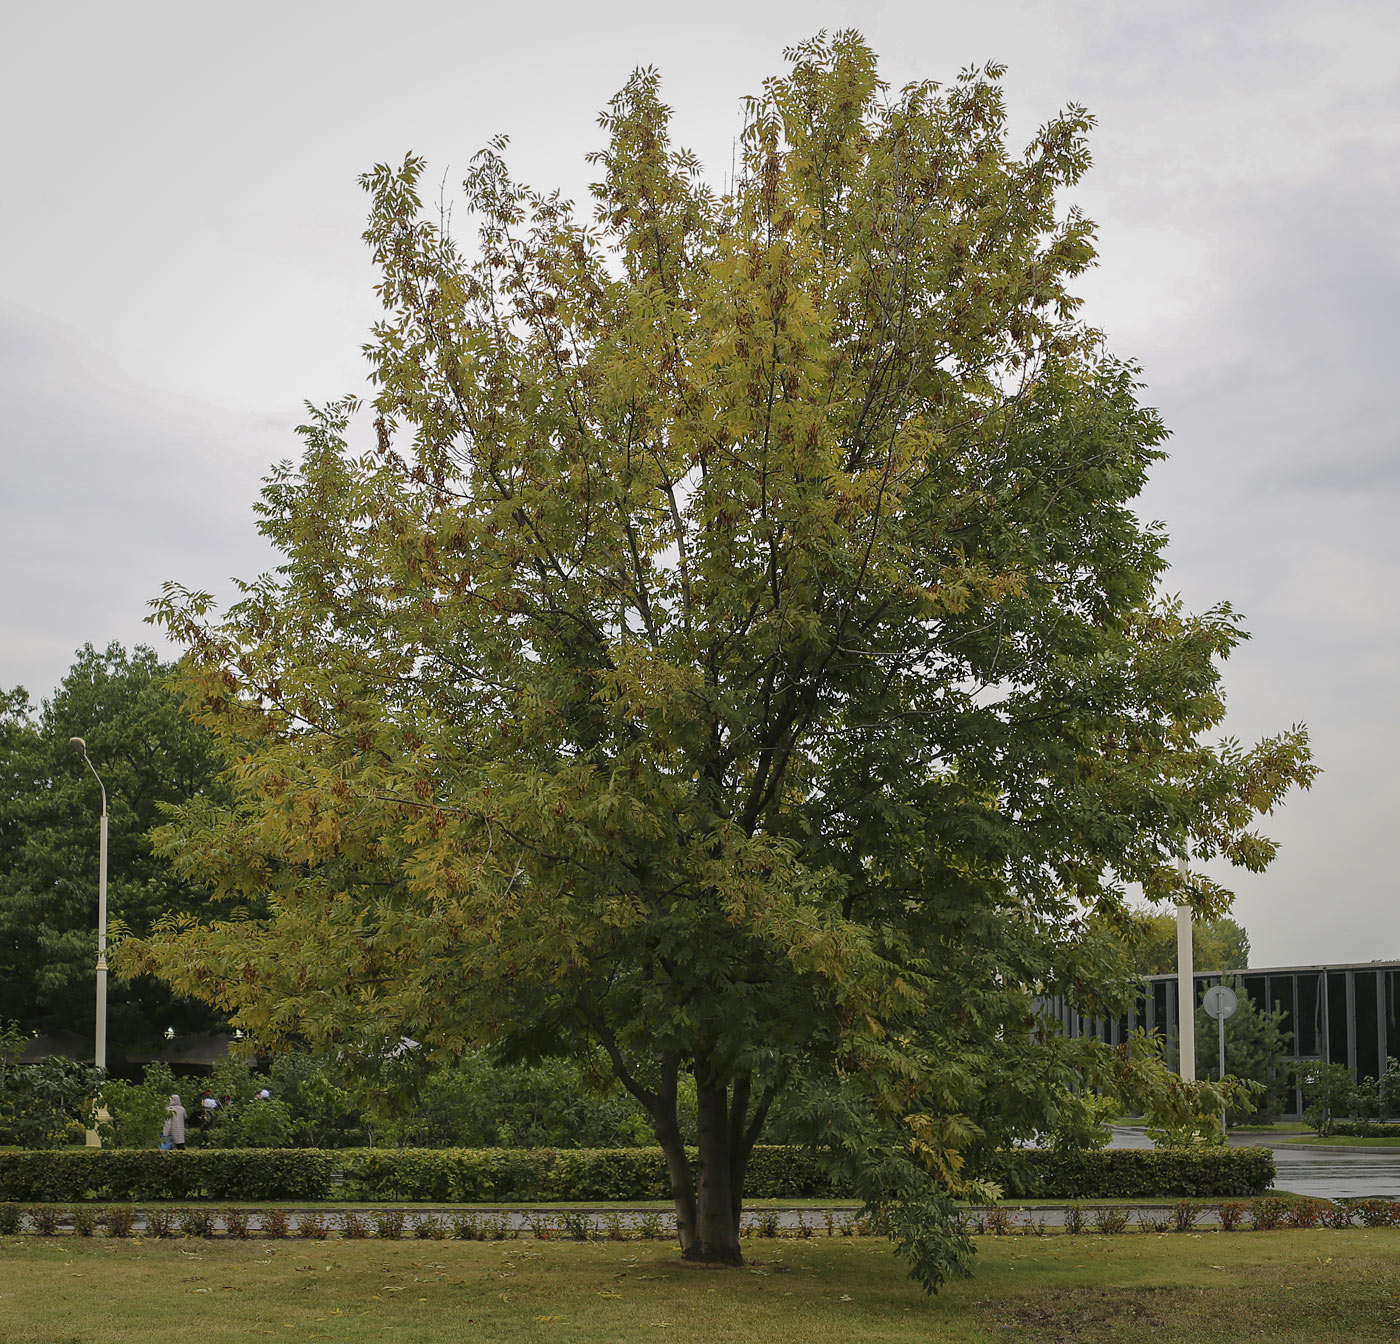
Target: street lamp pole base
[94, 1138]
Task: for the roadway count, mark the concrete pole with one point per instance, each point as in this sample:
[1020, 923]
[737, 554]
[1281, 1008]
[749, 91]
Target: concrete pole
[1222, 1066]
[100, 1047]
[1185, 987]
[100, 1053]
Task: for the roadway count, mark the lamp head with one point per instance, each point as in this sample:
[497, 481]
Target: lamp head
[78, 745]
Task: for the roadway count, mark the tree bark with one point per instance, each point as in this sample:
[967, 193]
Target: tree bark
[668, 1135]
[716, 1198]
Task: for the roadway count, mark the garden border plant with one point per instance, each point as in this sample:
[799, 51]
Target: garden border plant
[1264, 1214]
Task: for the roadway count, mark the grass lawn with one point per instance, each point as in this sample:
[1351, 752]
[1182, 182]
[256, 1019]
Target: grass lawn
[1280, 1286]
[1343, 1141]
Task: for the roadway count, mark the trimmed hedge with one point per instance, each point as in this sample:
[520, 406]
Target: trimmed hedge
[1134, 1173]
[489, 1175]
[475, 1175]
[121, 1174]
[1367, 1129]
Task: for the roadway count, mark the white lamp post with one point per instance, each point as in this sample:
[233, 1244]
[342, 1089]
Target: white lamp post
[1185, 986]
[100, 1051]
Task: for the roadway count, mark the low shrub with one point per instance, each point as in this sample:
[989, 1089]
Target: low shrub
[484, 1175]
[312, 1225]
[1373, 1212]
[1074, 1219]
[44, 1218]
[1304, 1213]
[84, 1220]
[160, 1222]
[237, 1223]
[1268, 1213]
[499, 1227]
[388, 1223]
[276, 1223]
[429, 1227]
[1185, 1215]
[1110, 1220]
[118, 1221]
[11, 1219]
[464, 1226]
[1338, 1214]
[999, 1221]
[353, 1226]
[1231, 1213]
[1152, 1220]
[196, 1222]
[1130, 1173]
[70, 1175]
[1367, 1129]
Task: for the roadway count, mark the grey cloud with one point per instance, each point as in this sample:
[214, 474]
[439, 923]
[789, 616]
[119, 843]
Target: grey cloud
[110, 491]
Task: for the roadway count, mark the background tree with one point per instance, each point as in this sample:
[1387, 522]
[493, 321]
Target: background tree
[1218, 944]
[149, 754]
[1256, 1049]
[45, 1104]
[734, 647]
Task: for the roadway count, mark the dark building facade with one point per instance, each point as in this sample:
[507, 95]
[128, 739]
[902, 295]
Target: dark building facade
[1337, 1014]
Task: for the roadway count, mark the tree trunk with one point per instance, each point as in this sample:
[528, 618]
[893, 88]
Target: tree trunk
[668, 1134]
[717, 1200]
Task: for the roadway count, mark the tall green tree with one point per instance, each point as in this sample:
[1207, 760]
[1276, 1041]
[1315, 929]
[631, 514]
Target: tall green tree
[1219, 944]
[727, 640]
[148, 754]
[1256, 1050]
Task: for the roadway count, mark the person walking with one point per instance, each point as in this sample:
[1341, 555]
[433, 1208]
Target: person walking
[208, 1111]
[175, 1125]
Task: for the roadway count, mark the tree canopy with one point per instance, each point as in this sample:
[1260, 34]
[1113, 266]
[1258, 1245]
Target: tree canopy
[725, 637]
[1219, 944]
[148, 754]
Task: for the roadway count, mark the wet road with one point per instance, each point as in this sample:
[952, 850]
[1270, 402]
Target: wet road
[1327, 1173]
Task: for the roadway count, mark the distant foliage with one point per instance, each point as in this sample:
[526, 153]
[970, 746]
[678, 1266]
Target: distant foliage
[149, 754]
[1257, 1050]
[46, 1104]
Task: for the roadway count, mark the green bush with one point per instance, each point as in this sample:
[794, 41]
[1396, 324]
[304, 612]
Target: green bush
[1124, 1173]
[1329, 1091]
[69, 1175]
[471, 1175]
[47, 1104]
[138, 1110]
[1256, 1050]
[255, 1124]
[119, 1220]
[1367, 1129]
[467, 1175]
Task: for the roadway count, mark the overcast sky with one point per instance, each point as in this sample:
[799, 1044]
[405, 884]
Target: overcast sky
[180, 235]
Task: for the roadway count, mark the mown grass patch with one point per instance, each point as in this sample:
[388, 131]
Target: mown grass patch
[1208, 1287]
[1341, 1141]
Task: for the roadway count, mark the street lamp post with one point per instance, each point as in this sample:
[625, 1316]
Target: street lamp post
[1185, 986]
[100, 1050]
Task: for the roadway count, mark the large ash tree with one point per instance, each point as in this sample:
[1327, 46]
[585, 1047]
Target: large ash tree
[727, 640]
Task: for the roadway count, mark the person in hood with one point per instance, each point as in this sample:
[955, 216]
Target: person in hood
[175, 1125]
